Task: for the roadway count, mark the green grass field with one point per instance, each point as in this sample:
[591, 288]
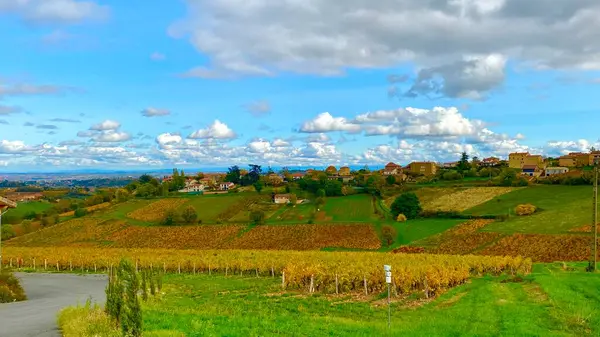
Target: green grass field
[354, 208]
[26, 207]
[209, 207]
[119, 211]
[418, 229]
[298, 214]
[561, 208]
[549, 302]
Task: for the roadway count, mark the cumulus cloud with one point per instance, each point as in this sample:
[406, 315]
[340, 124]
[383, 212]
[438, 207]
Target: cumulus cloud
[14, 146]
[559, 148]
[327, 37]
[217, 130]
[325, 122]
[112, 136]
[155, 112]
[106, 125]
[54, 11]
[258, 108]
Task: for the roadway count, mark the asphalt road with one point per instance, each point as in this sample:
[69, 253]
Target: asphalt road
[47, 294]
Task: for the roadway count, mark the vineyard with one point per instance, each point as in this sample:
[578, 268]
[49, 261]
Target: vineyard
[328, 272]
[464, 199]
[178, 237]
[308, 237]
[462, 239]
[88, 209]
[156, 210]
[543, 248]
[209, 207]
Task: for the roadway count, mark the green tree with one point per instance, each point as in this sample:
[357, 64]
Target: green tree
[146, 191]
[408, 204]
[233, 175]
[80, 212]
[463, 163]
[145, 179]
[321, 193]
[258, 217]
[293, 199]
[170, 218]
[389, 234]
[258, 186]
[189, 215]
[390, 180]
[7, 232]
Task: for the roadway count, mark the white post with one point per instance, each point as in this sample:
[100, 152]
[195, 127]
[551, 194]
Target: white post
[45, 264]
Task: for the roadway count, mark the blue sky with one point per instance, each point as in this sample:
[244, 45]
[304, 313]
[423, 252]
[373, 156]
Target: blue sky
[293, 83]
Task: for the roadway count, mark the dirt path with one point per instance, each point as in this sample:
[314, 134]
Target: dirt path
[47, 295]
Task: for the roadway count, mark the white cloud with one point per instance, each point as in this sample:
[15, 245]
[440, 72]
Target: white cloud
[155, 112]
[156, 56]
[217, 130]
[7, 110]
[559, 148]
[325, 122]
[111, 136]
[55, 11]
[15, 146]
[326, 37]
[106, 125]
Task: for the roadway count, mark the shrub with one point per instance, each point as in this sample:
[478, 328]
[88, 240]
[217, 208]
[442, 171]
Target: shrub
[189, 215]
[389, 234]
[525, 209]
[7, 232]
[80, 212]
[10, 288]
[401, 218]
[170, 218]
[407, 204]
[257, 217]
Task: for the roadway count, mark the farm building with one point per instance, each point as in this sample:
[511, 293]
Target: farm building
[193, 188]
[297, 175]
[531, 170]
[344, 171]
[281, 198]
[392, 169]
[520, 159]
[566, 161]
[452, 164]
[425, 168]
[226, 186]
[550, 171]
[489, 162]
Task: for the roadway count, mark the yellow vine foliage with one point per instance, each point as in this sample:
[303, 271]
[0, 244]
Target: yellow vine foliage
[89, 209]
[156, 210]
[410, 272]
[525, 209]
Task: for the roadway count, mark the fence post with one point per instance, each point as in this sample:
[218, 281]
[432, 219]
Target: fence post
[136, 266]
[179, 268]
[337, 289]
[311, 289]
[283, 279]
[194, 268]
[256, 272]
[10, 263]
[226, 269]
[70, 265]
[95, 268]
[426, 288]
[365, 284]
[45, 264]
[272, 272]
[34, 263]
[57, 266]
[209, 269]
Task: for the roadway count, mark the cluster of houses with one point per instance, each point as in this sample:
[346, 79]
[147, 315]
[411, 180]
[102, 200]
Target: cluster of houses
[210, 182]
[536, 166]
[24, 196]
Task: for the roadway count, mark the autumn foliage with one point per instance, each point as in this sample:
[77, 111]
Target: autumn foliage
[525, 209]
[156, 210]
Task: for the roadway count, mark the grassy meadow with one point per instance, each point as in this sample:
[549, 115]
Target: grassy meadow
[551, 301]
[28, 207]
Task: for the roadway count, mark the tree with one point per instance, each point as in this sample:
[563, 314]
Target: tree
[319, 202]
[257, 217]
[146, 191]
[233, 174]
[463, 163]
[258, 186]
[390, 180]
[200, 176]
[189, 215]
[389, 234]
[145, 179]
[254, 174]
[80, 212]
[407, 204]
[321, 193]
[169, 219]
[293, 199]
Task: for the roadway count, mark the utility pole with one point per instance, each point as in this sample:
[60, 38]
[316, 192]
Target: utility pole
[595, 219]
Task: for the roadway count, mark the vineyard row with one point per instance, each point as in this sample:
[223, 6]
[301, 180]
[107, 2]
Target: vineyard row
[329, 272]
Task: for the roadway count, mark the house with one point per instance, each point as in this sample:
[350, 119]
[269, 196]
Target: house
[534, 160]
[490, 162]
[566, 161]
[331, 170]
[517, 159]
[226, 186]
[531, 170]
[6, 203]
[297, 175]
[595, 157]
[193, 188]
[24, 196]
[344, 171]
[450, 164]
[425, 168]
[392, 169]
[281, 198]
[550, 171]
[582, 159]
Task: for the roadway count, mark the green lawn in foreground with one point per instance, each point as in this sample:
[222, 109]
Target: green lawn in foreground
[550, 302]
[562, 208]
[352, 208]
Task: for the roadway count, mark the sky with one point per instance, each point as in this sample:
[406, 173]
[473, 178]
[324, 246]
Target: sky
[211, 83]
